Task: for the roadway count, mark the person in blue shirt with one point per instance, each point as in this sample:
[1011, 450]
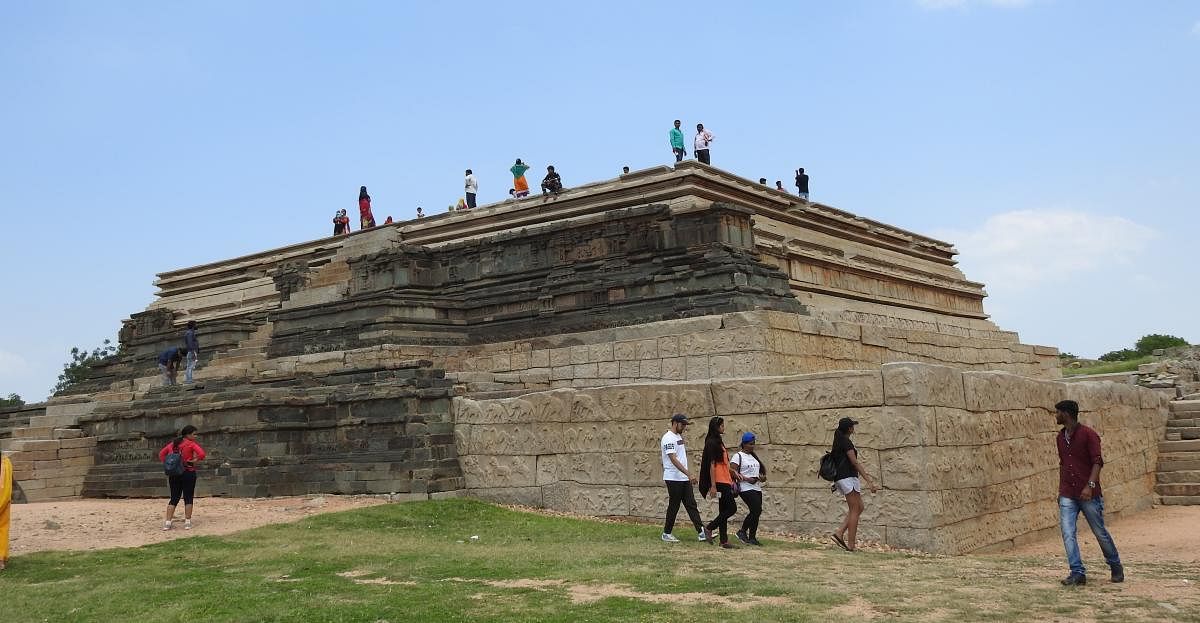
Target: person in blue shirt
[168, 363]
[193, 350]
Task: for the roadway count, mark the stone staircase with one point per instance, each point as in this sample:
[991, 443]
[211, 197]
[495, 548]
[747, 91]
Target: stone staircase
[51, 455]
[1179, 456]
[239, 361]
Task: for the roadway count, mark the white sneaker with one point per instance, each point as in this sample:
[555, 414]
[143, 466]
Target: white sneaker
[187, 525]
[703, 536]
[669, 538]
[166, 526]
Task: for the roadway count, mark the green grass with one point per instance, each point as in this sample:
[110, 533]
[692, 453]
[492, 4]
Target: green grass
[528, 567]
[1109, 368]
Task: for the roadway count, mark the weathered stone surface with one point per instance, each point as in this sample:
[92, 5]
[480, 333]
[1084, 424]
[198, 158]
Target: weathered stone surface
[798, 393]
[917, 384]
[954, 479]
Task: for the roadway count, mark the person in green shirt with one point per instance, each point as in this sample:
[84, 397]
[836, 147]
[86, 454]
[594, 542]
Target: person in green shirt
[677, 142]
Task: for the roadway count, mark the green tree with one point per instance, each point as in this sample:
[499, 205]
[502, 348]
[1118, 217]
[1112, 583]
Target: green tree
[82, 362]
[13, 400]
[1149, 343]
[1120, 355]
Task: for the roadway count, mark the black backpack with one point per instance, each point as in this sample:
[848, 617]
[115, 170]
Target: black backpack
[829, 467]
[173, 465]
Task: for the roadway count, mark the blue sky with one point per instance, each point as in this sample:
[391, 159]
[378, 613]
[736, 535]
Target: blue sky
[1055, 142]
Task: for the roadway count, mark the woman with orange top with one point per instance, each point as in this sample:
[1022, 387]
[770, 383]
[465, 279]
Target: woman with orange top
[716, 477]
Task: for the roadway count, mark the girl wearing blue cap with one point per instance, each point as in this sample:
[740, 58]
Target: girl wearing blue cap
[753, 473]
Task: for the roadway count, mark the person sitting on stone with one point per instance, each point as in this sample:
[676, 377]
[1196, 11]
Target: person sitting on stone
[552, 183]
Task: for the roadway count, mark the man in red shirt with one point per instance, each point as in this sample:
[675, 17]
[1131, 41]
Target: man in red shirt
[1079, 463]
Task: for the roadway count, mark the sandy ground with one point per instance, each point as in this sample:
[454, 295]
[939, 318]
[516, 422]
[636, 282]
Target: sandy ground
[105, 524]
[1164, 534]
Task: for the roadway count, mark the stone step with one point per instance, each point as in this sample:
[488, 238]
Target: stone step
[235, 359]
[255, 342]
[1183, 422]
[1178, 476]
[1178, 461]
[34, 432]
[54, 421]
[1184, 432]
[255, 351]
[1179, 500]
[1184, 406]
[1190, 445]
[1178, 488]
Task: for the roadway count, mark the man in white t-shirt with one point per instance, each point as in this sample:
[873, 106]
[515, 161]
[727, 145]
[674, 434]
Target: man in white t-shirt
[703, 139]
[471, 188]
[678, 479]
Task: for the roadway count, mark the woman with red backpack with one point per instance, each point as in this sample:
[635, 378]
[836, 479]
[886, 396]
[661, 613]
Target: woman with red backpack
[179, 459]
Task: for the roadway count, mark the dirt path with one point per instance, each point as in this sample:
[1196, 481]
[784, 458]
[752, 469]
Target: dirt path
[105, 524]
[1163, 534]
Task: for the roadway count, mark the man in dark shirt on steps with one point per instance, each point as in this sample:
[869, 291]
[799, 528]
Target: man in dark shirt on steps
[168, 363]
[1079, 463]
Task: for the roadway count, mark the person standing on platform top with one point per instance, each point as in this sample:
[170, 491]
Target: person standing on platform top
[367, 220]
[420, 212]
[552, 183]
[802, 184]
[1079, 463]
[779, 186]
[472, 187]
[703, 139]
[193, 350]
[341, 223]
[520, 186]
[676, 137]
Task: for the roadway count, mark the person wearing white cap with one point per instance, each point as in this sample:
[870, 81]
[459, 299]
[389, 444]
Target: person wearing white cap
[678, 479]
[847, 482]
[754, 473]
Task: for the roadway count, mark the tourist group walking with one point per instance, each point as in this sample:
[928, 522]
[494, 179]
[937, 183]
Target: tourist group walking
[743, 475]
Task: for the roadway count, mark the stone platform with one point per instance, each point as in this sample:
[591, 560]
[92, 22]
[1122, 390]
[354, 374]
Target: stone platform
[390, 361]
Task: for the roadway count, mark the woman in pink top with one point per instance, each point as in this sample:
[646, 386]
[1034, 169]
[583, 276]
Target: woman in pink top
[183, 485]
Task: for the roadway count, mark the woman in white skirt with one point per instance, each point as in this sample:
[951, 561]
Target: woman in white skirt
[848, 482]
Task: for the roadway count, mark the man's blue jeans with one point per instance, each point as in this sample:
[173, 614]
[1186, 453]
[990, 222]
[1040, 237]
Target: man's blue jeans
[191, 366]
[1093, 512]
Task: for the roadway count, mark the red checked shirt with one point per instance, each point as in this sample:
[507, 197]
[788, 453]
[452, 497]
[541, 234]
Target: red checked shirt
[1077, 454]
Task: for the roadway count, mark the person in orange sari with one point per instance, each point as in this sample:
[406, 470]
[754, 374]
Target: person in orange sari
[519, 184]
[364, 209]
[6, 489]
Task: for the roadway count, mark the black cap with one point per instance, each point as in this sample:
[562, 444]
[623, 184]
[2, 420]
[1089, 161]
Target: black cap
[679, 417]
[845, 423]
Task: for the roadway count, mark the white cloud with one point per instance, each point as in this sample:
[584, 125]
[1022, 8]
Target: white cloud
[937, 5]
[1196, 29]
[1019, 250]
